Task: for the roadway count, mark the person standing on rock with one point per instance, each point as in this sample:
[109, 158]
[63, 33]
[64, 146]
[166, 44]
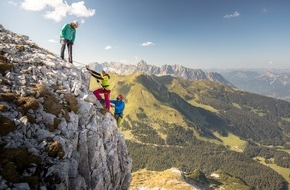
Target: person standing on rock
[67, 38]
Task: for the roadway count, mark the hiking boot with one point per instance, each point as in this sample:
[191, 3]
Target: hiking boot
[102, 101]
[103, 111]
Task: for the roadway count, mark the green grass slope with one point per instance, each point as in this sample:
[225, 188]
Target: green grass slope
[170, 122]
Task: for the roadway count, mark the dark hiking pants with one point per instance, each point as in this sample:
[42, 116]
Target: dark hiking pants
[69, 48]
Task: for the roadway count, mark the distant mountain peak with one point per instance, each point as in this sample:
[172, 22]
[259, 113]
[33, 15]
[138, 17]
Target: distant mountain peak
[176, 70]
[142, 62]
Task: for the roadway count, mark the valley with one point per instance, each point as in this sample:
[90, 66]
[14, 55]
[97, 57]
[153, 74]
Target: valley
[173, 122]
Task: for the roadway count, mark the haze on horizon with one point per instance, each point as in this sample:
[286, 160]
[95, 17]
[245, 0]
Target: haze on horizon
[201, 34]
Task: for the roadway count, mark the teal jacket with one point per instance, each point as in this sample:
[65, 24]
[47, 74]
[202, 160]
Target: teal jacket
[68, 32]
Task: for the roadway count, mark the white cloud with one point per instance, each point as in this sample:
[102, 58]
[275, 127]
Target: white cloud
[147, 44]
[270, 62]
[54, 3]
[12, 3]
[33, 5]
[80, 10]
[58, 9]
[53, 41]
[58, 13]
[235, 14]
[108, 47]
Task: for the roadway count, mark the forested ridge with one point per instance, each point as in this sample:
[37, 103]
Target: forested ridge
[247, 115]
[209, 159]
[186, 152]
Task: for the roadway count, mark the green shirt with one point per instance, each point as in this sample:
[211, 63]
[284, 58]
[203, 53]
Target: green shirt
[105, 82]
[68, 32]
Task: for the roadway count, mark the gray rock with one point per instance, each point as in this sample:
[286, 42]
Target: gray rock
[21, 186]
[24, 120]
[43, 134]
[3, 186]
[2, 28]
[95, 153]
[48, 118]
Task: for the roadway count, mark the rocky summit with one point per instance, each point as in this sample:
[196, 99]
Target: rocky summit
[52, 134]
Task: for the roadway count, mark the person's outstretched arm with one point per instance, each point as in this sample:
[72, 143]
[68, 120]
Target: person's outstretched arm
[94, 73]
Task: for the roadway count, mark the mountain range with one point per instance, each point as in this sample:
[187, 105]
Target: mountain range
[268, 83]
[274, 83]
[173, 70]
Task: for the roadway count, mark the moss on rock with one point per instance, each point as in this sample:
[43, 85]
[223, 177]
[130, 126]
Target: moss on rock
[14, 161]
[8, 97]
[27, 103]
[20, 48]
[3, 108]
[72, 102]
[40, 89]
[51, 104]
[55, 150]
[5, 66]
[6, 126]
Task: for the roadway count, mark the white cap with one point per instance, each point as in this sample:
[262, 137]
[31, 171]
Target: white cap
[75, 22]
[105, 69]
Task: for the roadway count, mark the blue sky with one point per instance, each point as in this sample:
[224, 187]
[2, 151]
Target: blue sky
[199, 34]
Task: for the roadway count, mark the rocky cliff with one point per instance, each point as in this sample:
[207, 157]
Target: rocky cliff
[52, 135]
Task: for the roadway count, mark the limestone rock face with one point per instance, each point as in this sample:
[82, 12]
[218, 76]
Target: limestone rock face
[53, 127]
